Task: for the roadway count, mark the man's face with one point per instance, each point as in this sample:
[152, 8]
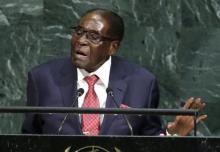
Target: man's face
[88, 53]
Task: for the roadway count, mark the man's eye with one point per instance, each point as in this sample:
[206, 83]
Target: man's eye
[94, 36]
[79, 31]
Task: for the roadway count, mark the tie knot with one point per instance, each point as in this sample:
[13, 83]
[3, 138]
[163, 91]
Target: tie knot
[91, 80]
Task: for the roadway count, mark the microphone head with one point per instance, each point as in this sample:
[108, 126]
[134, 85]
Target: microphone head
[80, 92]
[109, 91]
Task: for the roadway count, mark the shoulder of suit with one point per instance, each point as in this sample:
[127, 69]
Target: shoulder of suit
[51, 64]
[132, 68]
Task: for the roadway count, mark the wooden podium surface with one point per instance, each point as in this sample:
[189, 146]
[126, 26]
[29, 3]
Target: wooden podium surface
[55, 143]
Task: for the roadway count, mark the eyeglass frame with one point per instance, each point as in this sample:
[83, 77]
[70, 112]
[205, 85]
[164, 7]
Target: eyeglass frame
[84, 31]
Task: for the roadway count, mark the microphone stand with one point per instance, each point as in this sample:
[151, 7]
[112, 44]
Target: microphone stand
[80, 92]
[110, 92]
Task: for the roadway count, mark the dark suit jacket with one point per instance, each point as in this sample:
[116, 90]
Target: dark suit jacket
[54, 84]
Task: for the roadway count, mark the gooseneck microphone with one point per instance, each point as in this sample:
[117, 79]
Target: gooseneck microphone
[80, 92]
[109, 91]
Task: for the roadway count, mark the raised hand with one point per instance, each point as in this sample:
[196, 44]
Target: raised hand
[183, 125]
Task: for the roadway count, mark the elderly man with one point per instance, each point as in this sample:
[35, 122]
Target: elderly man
[93, 68]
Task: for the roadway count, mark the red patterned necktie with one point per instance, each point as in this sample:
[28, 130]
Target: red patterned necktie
[91, 122]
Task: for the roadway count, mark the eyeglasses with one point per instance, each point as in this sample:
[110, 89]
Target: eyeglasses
[92, 36]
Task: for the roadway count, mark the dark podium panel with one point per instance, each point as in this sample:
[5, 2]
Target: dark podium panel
[44, 143]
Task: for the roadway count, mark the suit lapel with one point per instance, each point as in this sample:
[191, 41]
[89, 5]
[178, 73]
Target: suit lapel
[118, 85]
[68, 84]
[68, 89]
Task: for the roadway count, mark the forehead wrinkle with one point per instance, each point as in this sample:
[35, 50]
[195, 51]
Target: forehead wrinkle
[94, 22]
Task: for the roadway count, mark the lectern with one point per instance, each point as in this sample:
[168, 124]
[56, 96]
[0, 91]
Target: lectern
[53, 143]
[61, 143]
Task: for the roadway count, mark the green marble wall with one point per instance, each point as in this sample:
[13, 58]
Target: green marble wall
[178, 40]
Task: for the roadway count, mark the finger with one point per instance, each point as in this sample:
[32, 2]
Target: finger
[188, 103]
[201, 118]
[202, 106]
[170, 127]
[197, 104]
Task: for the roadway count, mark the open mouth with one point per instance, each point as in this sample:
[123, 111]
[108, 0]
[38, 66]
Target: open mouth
[80, 53]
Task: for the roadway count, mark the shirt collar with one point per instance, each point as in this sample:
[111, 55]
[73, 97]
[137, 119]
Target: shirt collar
[102, 72]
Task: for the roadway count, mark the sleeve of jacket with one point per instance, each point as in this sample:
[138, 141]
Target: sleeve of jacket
[152, 125]
[32, 122]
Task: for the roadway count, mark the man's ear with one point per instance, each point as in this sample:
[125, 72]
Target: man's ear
[114, 46]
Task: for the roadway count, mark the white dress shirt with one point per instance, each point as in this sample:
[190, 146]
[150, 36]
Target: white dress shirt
[101, 85]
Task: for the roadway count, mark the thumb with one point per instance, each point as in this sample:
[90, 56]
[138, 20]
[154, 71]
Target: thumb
[171, 127]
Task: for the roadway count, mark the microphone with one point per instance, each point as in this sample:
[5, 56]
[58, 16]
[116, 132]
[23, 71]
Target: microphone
[80, 92]
[109, 91]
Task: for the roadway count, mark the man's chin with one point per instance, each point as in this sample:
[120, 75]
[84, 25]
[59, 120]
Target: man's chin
[80, 65]
[83, 66]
